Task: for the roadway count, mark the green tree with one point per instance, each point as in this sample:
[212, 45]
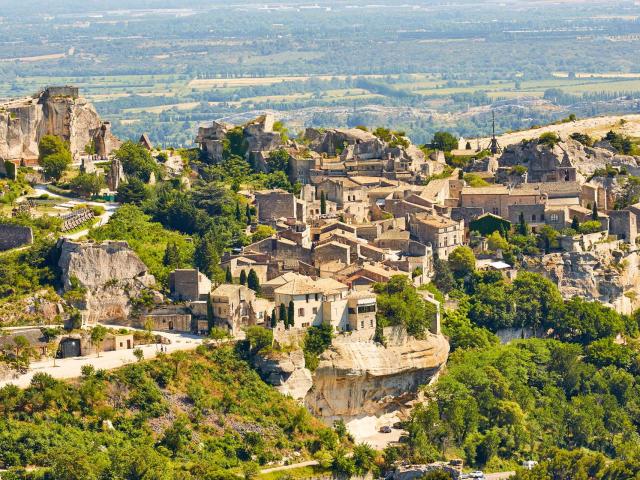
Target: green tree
[259, 338]
[274, 318]
[171, 256]
[278, 161]
[55, 165]
[98, 334]
[136, 161]
[133, 191]
[243, 277]
[443, 278]
[594, 211]
[444, 141]
[138, 353]
[178, 436]
[283, 315]
[462, 261]
[87, 184]
[291, 314]
[253, 282]
[52, 145]
[207, 259]
[575, 224]
[523, 228]
[591, 226]
[228, 278]
[323, 203]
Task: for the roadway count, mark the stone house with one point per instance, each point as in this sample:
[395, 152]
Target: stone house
[442, 233]
[274, 204]
[234, 307]
[168, 318]
[623, 223]
[189, 285]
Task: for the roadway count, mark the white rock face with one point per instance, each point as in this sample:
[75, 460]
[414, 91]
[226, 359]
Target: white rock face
[24, 122]
[356, 379]
[610, 276]
[287, 373]
[112, 274]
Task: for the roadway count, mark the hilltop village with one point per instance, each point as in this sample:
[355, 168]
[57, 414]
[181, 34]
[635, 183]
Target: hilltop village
[333, 254]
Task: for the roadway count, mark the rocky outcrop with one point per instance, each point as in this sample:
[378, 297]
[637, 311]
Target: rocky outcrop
[110, 272]
[55, 111]
[353, 142]
[356, 379]
[568, 160]
[286, 372]
[608, 273]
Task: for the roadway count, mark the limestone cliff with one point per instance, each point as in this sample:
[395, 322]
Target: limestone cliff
[110, 272]
[286, 372]
[608, 273]
[356, 379]
[554, 163]
[55, 111]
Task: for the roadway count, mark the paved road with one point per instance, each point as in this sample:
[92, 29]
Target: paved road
[72, 367]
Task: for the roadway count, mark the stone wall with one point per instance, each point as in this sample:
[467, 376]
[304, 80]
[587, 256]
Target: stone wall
[14, 236]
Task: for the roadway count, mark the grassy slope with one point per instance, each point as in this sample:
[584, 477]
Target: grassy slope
[200, 415]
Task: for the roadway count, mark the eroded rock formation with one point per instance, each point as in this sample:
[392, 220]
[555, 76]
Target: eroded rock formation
[286, 372]
[356, 379]
[56, 111]
[111, 273]
[569, 160]
[607, 273]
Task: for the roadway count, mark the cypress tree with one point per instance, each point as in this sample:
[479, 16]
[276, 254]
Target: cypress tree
[523, 228]
[171, 256]
[291, 314]
[253, 282]
[594, 211]
[206, 257]
[238, 213]
[575, 224]
[227, 276]
[283, 315]
[243, 278]
[247, 213]
[323, 203]
[274, 318]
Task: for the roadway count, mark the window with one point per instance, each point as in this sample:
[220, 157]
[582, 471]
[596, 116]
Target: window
[554, 217]
[307, 298]
[362, 324]
[352, 311]
[533, 217]
[304, 325]
[301, 312]
[366, 308]
[316, 297]
[371, 323]
[315, 310]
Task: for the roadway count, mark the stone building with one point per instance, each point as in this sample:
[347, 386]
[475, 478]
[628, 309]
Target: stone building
[442, 233]
[274, 204]
[236, 307]
[189, 285]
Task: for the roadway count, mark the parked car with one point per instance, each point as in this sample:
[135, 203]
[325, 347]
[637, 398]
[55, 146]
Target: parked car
[477, 474]
[385, 429]
[529, 464]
